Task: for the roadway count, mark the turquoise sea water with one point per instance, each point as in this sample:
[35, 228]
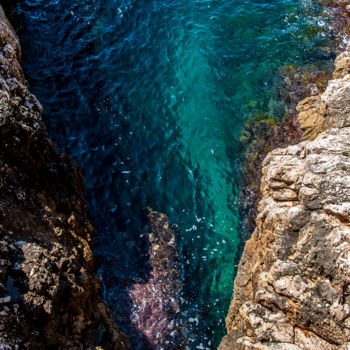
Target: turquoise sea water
[150, 98]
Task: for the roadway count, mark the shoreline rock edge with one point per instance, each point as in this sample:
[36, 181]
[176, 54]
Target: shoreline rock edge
[292, 289]
[49, 289]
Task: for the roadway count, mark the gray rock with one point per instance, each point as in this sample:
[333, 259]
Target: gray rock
[5, 107]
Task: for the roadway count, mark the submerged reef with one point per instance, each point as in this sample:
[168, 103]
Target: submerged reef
[292, 289]
[49, 290]
[157, 301]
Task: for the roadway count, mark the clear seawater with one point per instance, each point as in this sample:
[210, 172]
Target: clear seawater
[150, 98]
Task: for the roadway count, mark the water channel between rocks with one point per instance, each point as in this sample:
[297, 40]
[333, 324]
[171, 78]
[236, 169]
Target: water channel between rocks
[151, 99]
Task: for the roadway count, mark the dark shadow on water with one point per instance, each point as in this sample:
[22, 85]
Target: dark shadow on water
[120, 271]
[64, 76]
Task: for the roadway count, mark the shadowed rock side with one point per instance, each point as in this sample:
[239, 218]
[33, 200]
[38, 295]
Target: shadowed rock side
[49, 290]
[156, 302]
[292, 290]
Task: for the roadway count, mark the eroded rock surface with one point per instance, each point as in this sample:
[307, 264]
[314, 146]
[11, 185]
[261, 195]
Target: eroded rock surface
[331, 109]
[292, 290]
[49, 290]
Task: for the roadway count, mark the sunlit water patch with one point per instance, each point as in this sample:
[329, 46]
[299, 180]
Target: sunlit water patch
[150, 98]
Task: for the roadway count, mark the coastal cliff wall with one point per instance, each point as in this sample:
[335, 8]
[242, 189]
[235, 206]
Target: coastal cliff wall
[49, 290]
[292, 290]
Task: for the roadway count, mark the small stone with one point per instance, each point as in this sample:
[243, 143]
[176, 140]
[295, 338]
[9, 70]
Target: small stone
[5, 107]
[5, 300]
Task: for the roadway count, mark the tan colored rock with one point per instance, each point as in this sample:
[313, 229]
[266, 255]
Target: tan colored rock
[332, 108]
[309, 341]
[292, 290]
[311, 117]
[342, 64]
[337, 100]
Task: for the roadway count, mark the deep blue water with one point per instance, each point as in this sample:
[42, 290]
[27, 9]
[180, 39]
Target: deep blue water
[150, 98]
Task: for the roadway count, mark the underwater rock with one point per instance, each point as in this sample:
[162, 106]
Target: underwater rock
[49, 290]
[293, 283]
[157, 301]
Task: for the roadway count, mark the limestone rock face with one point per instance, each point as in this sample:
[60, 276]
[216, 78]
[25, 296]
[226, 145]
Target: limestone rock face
[311, 117]
[49, 290]
[292, 290]
[332, 108]
[337, 101]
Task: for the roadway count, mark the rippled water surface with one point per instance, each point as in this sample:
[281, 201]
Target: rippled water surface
[150, 98]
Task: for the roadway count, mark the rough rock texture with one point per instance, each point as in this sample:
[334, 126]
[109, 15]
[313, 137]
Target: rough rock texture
[49, 290]
[330, 109]
[292, 290]
[311, 117]
[298, 82]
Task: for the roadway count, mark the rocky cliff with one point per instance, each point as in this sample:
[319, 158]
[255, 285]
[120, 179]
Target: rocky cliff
[292, 290]
[49, 290]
